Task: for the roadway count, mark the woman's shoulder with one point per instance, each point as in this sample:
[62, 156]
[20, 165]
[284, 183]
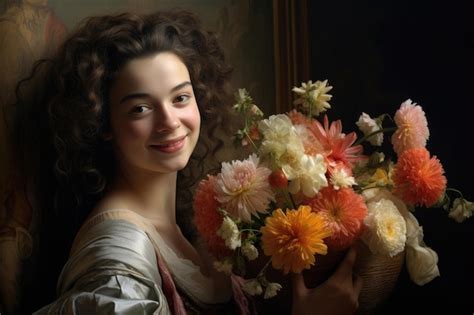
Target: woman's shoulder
[112, 265]
[112, 243]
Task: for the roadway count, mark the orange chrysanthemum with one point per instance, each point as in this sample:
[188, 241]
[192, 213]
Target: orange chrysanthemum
[344, 211]
[207, 219]
[419, 179]
[293, 239]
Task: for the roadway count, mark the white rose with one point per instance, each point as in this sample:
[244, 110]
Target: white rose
[376, 194]
[422, 261]
[422, 264]
[386, 228]
[368, 125]
[271, 290]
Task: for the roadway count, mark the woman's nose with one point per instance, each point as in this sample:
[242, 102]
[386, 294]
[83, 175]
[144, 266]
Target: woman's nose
[166, 120]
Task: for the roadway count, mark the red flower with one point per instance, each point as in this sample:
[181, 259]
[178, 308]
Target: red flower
[418, 179]
[344, 211]
[207, 219]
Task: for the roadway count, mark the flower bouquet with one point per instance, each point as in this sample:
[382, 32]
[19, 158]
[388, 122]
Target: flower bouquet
[308, 189]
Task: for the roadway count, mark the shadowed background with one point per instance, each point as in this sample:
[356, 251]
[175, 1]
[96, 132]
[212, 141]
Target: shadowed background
[377, 54]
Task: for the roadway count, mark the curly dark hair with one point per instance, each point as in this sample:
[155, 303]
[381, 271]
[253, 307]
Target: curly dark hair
[84, 70]
[74, 88]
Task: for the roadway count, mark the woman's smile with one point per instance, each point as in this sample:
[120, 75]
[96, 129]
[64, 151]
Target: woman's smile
[170, 146]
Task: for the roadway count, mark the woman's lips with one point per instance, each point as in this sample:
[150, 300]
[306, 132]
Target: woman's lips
[170, 146]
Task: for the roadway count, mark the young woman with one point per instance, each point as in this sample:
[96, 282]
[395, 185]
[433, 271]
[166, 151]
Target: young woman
[127, 98]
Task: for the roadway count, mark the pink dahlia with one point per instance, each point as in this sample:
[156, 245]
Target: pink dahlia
[339, 145]
[412, 128]
[243, 188]
[344, 211]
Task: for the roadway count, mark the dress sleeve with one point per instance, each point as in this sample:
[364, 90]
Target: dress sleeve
[114, 272]
[114, 294]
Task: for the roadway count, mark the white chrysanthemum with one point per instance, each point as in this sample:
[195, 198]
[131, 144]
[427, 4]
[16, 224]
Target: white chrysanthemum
[313, 96]
[282, 141]
[280, 138]
[386, 228]
[224, 266]
[309, 175]
[249, 251]
[252, 287]
[461, 210]
[340, 179]
[229, 232]
[243, 188]
[271, 290]
[368, 125]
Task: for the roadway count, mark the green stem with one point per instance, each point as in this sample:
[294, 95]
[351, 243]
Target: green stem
[382, 117]
[287, 197]
[373, 134]
[251, 141]
[455, 190]
[372, 187]
[264, 268]
[293, 204]
[250, 230]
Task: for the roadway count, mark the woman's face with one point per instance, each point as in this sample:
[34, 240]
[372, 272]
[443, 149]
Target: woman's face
[154, 116]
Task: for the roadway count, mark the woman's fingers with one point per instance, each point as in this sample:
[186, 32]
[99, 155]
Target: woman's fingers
[344, 270]
[299, 288]
[357, 283]
[338, 295]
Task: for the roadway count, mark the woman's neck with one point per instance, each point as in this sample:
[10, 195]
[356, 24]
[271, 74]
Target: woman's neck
[151, 194]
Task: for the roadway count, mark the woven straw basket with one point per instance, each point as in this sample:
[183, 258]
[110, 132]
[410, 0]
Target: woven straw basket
[379, 273]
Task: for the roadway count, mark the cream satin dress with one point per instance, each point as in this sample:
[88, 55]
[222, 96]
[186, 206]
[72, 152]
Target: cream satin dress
[114, 268]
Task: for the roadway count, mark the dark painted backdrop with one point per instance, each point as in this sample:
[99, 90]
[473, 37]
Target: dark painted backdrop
[377, 54]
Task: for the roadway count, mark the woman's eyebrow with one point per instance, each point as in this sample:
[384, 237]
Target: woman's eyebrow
[145, 95]
[132, 96]
[180, 86]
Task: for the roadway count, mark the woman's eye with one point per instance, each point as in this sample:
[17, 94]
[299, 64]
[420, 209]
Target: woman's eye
[182, 99]
[140, 109]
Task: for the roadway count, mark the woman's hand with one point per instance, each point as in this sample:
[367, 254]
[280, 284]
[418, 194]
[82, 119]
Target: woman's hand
[338, 295]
